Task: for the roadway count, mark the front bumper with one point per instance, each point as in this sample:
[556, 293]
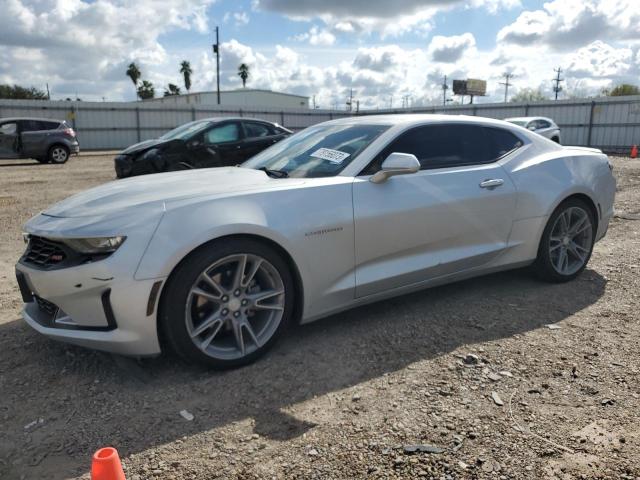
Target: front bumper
[123, 165]
[88, 306]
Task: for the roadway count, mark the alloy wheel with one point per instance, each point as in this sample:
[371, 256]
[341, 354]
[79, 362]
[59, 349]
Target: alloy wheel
[570, 241]
[235, 306]
[59, 155]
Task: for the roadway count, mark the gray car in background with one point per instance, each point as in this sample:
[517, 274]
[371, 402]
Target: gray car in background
[541, 125]
[43, 139]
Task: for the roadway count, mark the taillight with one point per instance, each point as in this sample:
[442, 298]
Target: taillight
[69, 132]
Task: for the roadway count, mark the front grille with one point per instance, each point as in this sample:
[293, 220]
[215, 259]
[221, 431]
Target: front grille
[46, 307]
[43, 252]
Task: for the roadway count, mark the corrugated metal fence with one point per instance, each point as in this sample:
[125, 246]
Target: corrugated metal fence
[610, 123]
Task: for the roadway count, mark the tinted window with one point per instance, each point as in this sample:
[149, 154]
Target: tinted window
[38, 125]
[8, 128]
[501, 142]
[223, 134]
[543, 124]
[440, 146]
[257, 130]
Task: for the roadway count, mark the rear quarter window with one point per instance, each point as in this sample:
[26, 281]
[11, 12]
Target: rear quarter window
[501, 142]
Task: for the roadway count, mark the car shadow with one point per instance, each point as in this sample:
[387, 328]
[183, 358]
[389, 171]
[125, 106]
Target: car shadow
[89, 399]
[20, 164]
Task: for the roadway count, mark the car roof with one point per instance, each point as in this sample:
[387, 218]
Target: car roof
[527, 119]
[416, 118]
[225, 119]
[14, 119]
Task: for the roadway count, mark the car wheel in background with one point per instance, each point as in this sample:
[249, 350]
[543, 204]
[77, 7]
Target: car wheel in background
[567, 242]
[227, 303]
[58, 154]
[555, 139]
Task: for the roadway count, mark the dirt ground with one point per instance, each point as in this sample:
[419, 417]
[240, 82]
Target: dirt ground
[348, 396]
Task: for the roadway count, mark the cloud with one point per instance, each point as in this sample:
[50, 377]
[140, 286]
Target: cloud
[388, 18]
[602, 60]
[240, 18]
[316, 36]
[451, 49]
[568, 24]
[82, 44]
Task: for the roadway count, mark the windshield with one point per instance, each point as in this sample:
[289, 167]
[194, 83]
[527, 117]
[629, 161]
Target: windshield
[183, 132]
[521, 123]
[319, 151]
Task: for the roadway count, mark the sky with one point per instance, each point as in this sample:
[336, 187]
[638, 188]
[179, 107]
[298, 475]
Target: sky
[387, 51]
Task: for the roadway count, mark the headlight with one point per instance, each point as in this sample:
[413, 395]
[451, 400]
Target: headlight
[94, 245]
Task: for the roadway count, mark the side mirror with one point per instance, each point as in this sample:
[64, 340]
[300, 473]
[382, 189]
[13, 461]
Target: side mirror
[194, 144]
[532, 128]
[396, 164]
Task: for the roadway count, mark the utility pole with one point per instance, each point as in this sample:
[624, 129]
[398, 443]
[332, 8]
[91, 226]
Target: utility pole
[507, 77]
[216, 50]
[391, 101]
[357, 106]
[48, 94]
[557, 88]
[445, 87]
[350, 101]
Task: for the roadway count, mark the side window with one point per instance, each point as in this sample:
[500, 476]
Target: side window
[543, 124]
[9, 128]
[256, 130]
[222, 134]
[501, 142]
[49, 125]
[441, 146]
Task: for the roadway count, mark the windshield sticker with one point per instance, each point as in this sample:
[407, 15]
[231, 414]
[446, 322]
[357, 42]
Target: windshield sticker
[333, 156]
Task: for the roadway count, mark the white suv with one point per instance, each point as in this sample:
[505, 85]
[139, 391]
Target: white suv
[541, 125]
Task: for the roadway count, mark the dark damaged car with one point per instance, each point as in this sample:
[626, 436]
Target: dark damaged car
[212, 142]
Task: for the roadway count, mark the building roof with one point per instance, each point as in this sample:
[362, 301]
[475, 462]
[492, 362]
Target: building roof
[239, 90]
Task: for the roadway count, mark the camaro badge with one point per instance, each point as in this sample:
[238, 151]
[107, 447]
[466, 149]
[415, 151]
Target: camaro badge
[323, 231]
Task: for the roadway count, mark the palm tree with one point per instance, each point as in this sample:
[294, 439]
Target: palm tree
[133, 72]
[243, 73]
[146, 90]
[171, 89]
[185, 70]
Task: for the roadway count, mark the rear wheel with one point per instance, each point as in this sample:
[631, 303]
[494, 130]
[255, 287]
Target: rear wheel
[567, 242]
[227, 303]
[58, 154]
[555, 139]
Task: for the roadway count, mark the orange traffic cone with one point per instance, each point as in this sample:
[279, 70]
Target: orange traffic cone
[106, 465]
[634, 151]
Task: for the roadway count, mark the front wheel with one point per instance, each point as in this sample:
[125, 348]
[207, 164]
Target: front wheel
[227, 303]
[567, 242]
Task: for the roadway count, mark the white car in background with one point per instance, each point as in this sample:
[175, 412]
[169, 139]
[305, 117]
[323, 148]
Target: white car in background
[541, 125]
[214, 263]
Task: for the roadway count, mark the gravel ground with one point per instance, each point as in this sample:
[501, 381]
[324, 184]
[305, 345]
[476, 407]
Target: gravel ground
[461, 381]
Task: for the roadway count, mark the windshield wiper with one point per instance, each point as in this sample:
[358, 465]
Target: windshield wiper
[274, 173]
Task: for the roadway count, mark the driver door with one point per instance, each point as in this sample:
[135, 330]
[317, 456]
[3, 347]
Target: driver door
[439, 221]
[9, 140]
[222, 145]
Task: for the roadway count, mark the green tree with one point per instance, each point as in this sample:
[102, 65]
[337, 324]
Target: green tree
[529, 95]
[133, 72]
[622, 90]
[146, 90]
[185, 70]
[21, 93]
[171, 89]
[243, 73]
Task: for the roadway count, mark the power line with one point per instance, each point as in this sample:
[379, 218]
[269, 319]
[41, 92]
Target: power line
[557, 88]
[507, 77]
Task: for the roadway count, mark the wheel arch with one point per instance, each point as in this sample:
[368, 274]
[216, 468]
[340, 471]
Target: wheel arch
[286, 256]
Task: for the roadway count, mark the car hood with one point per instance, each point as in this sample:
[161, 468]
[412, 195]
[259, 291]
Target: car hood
[143, 146]
[155, 191]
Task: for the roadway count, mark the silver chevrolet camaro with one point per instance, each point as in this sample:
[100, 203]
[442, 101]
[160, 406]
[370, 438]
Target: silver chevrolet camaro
[215, 263]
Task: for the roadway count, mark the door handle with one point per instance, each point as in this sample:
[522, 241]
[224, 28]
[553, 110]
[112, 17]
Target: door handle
[491, 183]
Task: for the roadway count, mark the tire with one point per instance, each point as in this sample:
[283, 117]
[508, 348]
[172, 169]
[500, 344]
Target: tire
[58, 154]
[203, 327]
[550, 264]
[556, 139]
